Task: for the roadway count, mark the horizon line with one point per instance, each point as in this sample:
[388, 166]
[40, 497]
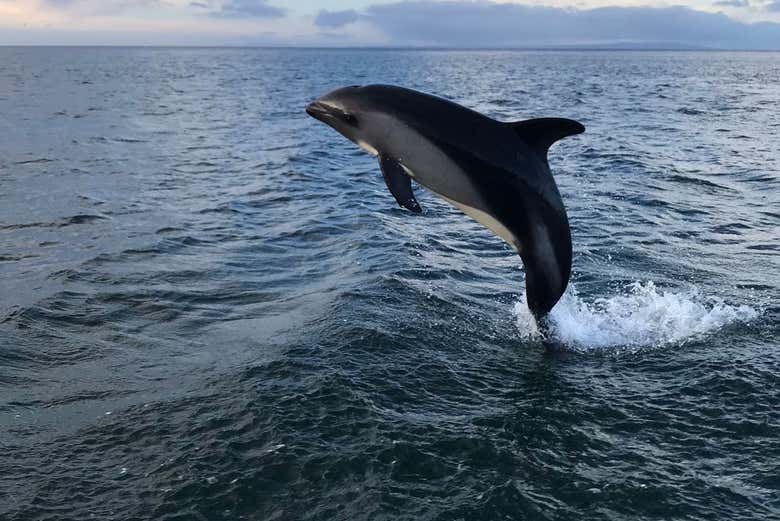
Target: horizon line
[583, 47]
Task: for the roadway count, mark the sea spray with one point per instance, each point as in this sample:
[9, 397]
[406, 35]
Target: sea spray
[642, 316]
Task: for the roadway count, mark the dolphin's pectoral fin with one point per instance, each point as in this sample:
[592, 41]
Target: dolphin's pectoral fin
[399, 183]
[541, 133]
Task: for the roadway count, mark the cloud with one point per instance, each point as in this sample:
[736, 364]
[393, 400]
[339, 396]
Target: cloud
[249, 9]
[104, 7]
[443, 23]
[336, 19]
[460, 23]
[60, 4]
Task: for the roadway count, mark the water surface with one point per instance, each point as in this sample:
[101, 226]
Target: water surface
[212, 308]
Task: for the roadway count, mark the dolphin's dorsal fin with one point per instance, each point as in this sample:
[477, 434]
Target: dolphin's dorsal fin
[541, 133]
[399, 184]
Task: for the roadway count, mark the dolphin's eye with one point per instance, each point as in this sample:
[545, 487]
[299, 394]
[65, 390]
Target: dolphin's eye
[348, 118]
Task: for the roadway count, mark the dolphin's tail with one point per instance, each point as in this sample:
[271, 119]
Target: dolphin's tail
[548, 258]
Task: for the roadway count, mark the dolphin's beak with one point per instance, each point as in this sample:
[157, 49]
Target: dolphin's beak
[318, 110]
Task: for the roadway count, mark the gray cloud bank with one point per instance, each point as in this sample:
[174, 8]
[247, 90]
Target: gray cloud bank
[249, 9]
[732, 3]
[485, 24]
[239, 8]
[336, 19]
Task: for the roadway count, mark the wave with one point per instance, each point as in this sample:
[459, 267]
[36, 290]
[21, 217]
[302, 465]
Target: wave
[642, 316]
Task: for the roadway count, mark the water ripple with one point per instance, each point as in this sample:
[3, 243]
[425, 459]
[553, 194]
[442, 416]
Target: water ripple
[211, 308]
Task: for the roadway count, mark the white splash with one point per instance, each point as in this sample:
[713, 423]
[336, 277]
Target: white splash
[644, 316]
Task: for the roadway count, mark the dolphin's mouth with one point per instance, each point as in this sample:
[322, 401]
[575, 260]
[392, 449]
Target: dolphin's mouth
[319, 110]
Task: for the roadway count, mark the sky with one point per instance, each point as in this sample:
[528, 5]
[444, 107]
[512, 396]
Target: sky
[725, 24]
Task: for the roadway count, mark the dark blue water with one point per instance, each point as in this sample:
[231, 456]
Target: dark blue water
[211, 308]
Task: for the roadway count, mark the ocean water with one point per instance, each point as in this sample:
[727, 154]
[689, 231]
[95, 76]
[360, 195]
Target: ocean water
[212, 308]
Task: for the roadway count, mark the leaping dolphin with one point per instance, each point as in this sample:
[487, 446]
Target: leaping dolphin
[497, 173]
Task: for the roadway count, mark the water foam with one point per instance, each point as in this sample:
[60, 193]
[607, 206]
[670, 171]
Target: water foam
[642, 316]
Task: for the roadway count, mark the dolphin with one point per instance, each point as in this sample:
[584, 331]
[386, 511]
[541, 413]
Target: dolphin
[495, 172]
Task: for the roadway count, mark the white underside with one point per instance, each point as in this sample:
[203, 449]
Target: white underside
[368, 148]
[481, 217]
[487, 221]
